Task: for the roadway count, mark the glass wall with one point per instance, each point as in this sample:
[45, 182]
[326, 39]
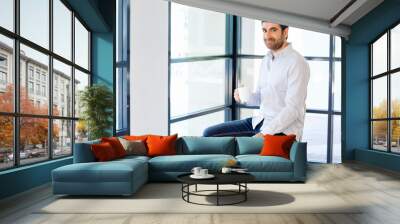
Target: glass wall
[38, 124]
[199, 69]
[385, 94]
[322, 126]
[203, 59]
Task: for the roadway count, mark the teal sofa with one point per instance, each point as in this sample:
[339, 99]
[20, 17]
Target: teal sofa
[125, 176]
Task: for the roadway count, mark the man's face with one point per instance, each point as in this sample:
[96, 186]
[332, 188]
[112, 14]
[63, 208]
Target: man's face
[274, 37]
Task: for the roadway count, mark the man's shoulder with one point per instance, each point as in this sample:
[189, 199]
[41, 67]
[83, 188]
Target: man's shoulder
[295, 57]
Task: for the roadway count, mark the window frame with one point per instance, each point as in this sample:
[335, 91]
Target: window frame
[388, 74]
[233, 35]
[16, 114]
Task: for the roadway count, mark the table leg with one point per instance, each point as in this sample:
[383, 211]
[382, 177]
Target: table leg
[196, 188]
[217, 194]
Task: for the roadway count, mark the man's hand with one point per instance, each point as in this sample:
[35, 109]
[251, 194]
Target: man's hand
[236, 95]
[259, 135]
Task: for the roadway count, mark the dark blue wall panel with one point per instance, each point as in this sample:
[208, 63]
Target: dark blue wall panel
[357, 82]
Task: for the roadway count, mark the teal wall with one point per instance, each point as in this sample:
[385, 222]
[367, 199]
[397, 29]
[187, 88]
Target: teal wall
[357, 83]
[24, 178]
[102, 59]
[103, 62]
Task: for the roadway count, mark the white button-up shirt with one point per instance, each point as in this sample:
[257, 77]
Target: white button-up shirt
[281, 92]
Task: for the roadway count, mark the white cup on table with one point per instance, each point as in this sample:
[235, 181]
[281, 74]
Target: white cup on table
[196, 171]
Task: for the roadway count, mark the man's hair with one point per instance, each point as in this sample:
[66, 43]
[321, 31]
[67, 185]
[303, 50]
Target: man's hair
[283, 27]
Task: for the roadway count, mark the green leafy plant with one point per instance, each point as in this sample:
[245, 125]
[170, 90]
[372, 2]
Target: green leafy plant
[96, 102]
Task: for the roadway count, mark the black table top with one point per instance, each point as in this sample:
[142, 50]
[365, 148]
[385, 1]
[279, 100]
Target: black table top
[220, 178]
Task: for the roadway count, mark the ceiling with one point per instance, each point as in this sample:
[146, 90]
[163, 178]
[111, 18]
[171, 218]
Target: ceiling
[328, 16]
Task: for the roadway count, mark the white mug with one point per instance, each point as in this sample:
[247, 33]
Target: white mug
[203, 172]
[196, 170]
[244, 94]
[226, 170]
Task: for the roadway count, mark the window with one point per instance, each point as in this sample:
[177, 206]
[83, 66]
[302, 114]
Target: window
[202, 59]
[62, 29]
[35, 21]
[7, 14]
[199, 70]
[323, 105]
[385, 96]
[45, 131]
[122, 67]
[81, 45]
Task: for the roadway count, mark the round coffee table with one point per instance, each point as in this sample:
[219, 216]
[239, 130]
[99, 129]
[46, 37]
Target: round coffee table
[238, 179]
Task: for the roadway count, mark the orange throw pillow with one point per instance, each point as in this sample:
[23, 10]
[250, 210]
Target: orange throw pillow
[136, 138]
[103, 152]
[116, 145]
[161, 145]
[275, 145]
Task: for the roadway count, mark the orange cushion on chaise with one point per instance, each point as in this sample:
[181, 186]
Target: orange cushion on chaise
[103, 152]
[117, 146]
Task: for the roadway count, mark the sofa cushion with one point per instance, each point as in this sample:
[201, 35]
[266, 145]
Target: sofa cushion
[161, 145]
[111, 171]
[116, 145]
[190, 145]
[103, 152]
[257, 163]
[185, 163]
[249, 145]
[275, 145]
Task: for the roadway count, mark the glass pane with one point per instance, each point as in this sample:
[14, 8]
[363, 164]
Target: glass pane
[395, 94]
[81, 81]
[34, 81]
[395, 136]
[318, 86]
[309, 43]
[81, 45]
[196, 32]
[252, 41]
[337, 139]
[81, 131]
[6, 142]
[248, 73]
[337, 87]
[196, 126]
[197, 86]
[33, 139]
[395, 47]
[379, 98]
[246, 113]
[62, 138]
[62, 29]
[62, 89]
[379, 135]
[7, 14]
[379, 55]
[6, 74]
[338, 47]
[35, 21]
[315, 134]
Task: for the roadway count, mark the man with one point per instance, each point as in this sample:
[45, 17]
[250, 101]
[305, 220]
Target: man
[280, 92]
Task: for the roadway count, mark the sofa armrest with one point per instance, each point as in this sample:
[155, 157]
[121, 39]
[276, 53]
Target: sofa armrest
[298, 155]
[83, 152]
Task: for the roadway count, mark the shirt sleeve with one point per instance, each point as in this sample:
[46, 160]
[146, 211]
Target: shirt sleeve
[298, 77]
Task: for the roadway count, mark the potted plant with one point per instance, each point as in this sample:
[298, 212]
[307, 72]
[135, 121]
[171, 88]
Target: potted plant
[96, 102]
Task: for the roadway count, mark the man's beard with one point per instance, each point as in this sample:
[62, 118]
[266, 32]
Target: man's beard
[276, 45]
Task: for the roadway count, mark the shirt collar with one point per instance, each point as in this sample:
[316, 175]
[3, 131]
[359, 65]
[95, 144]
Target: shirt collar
[280, 53]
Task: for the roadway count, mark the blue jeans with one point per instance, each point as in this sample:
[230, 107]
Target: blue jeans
[233, 128]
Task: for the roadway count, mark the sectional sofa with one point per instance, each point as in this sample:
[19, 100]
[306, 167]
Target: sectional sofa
[125, 176]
